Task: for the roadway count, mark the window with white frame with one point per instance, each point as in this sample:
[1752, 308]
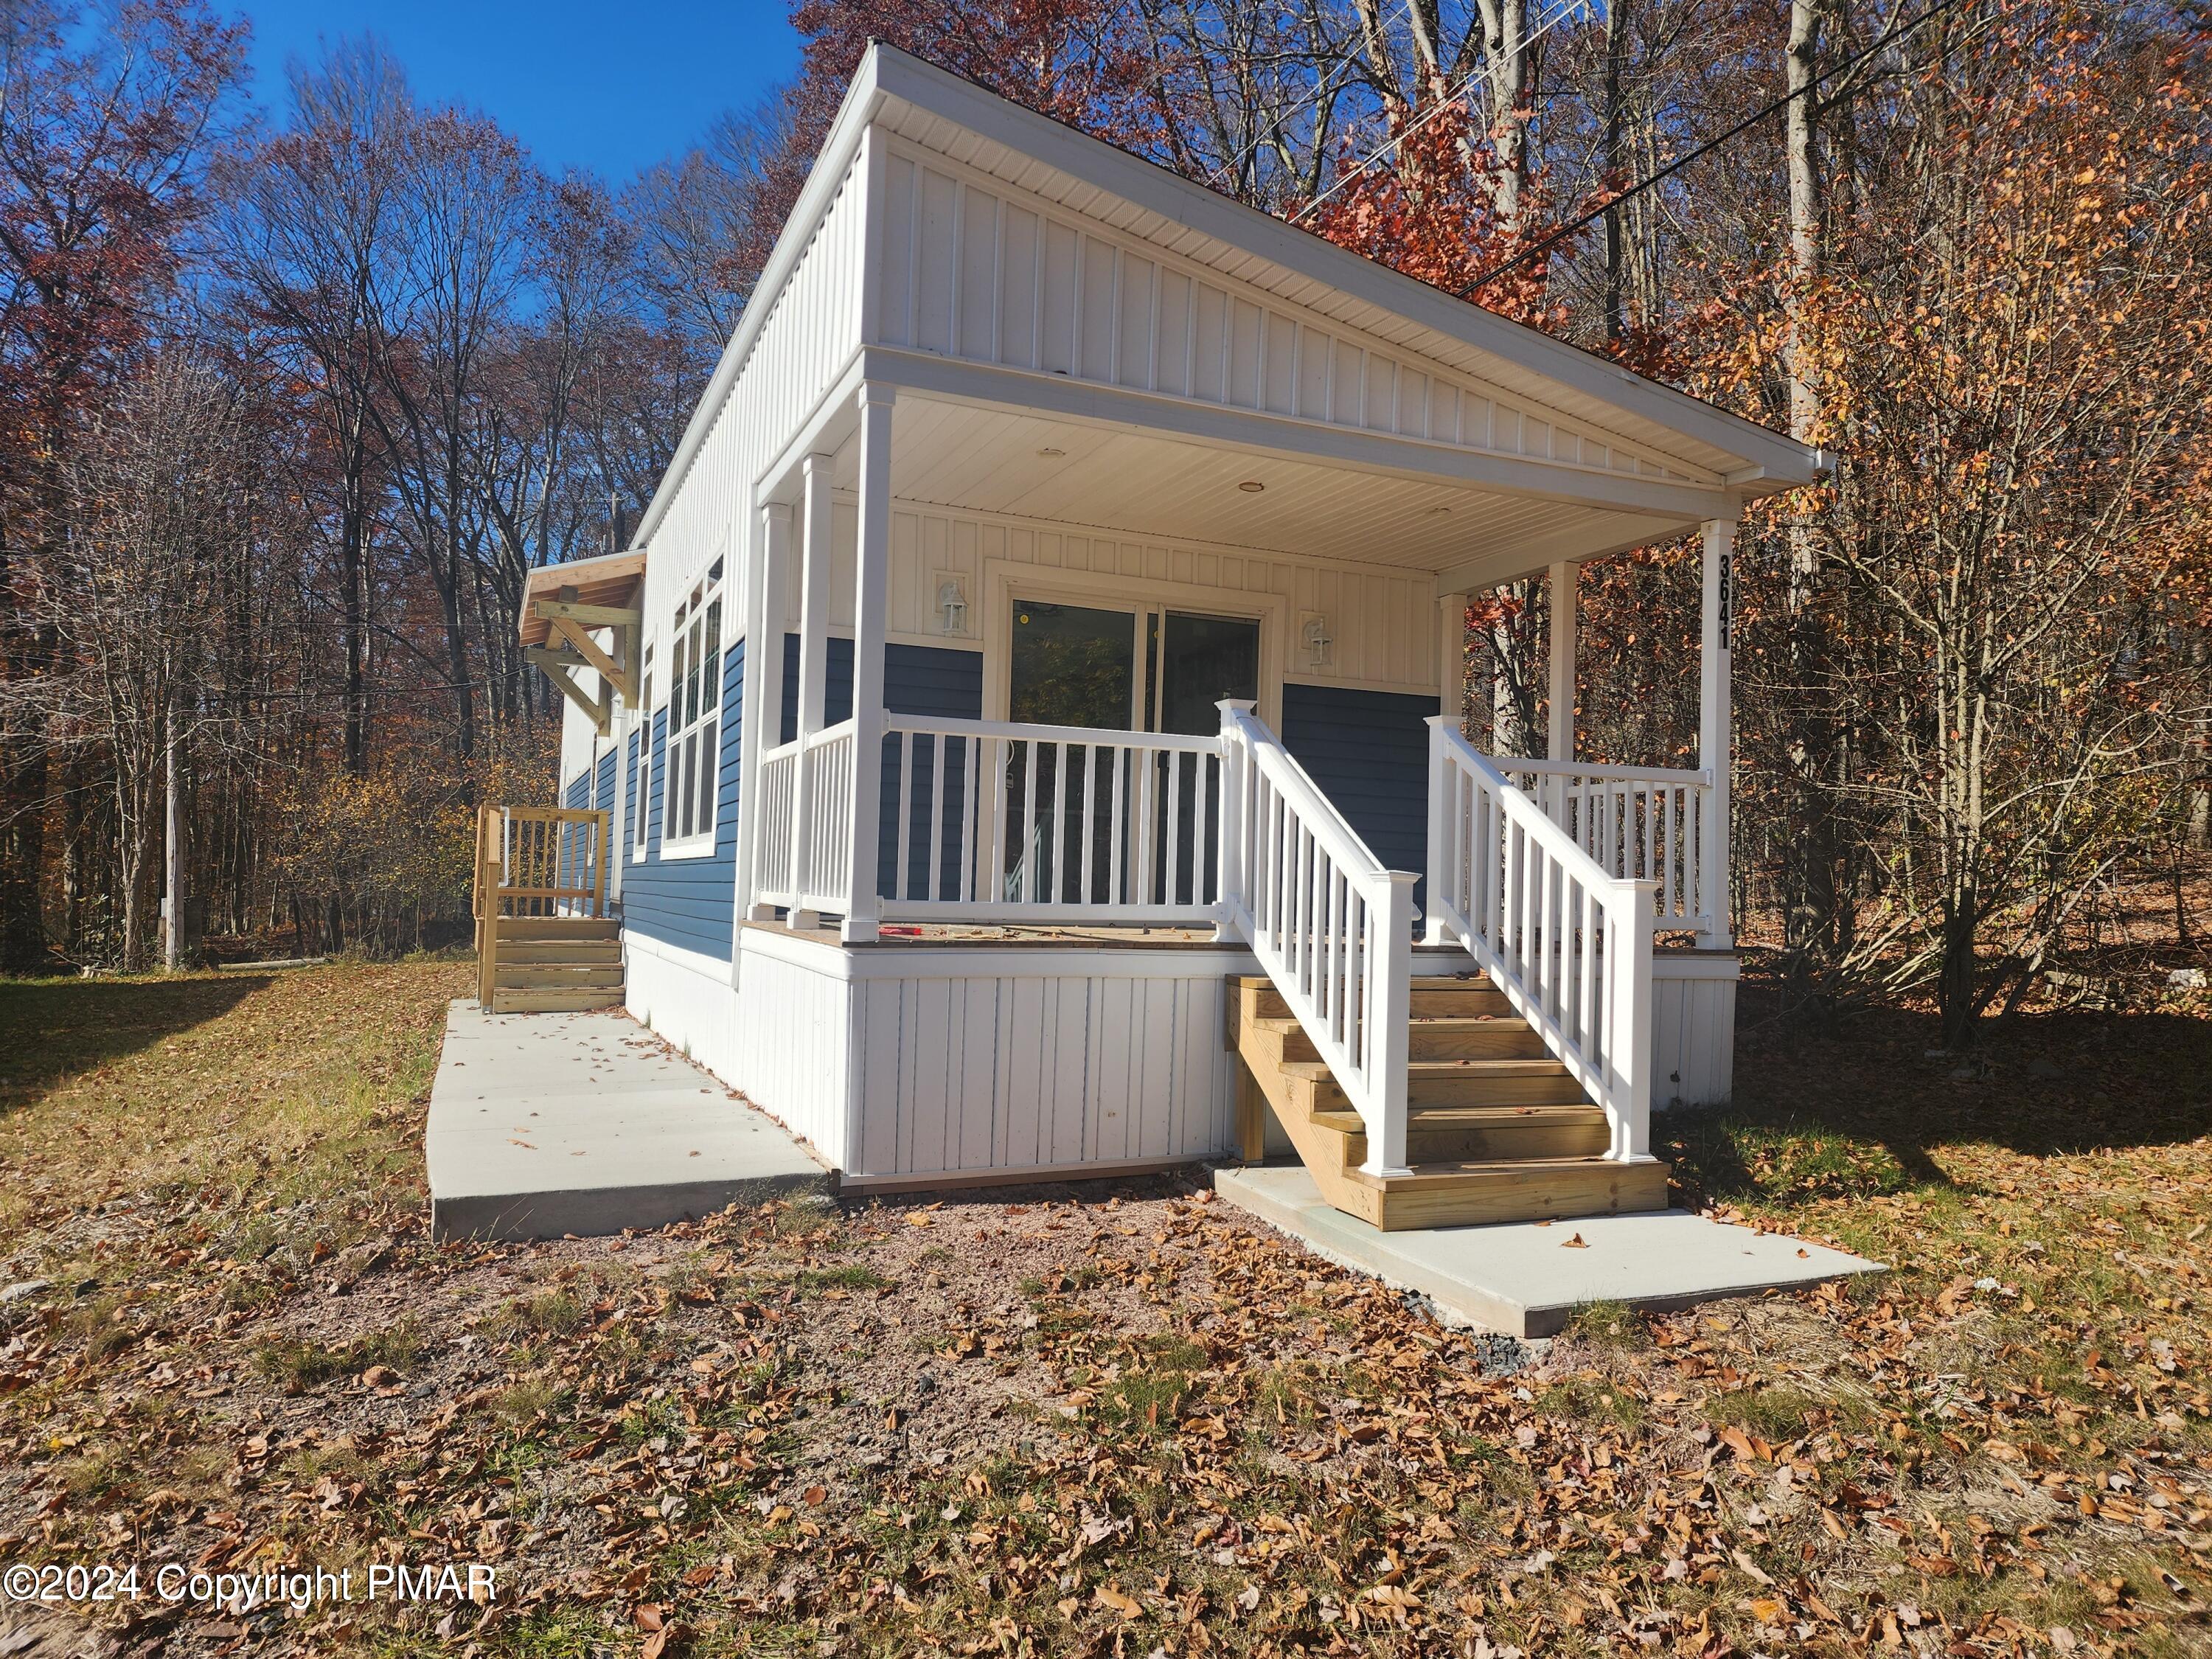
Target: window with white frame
[641, 792]
[695, 708]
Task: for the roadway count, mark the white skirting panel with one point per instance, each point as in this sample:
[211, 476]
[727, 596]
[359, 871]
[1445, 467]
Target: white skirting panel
[1077, 1058]
[683, 996]
[910, 1060]
[794, 1030]
[1693, 1027]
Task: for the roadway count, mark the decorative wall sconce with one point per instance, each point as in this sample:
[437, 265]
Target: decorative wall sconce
[951, 603]
[1315, 639]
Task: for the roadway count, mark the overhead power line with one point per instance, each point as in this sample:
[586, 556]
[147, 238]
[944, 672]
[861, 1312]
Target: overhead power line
[1448, 100]
[1894, 33]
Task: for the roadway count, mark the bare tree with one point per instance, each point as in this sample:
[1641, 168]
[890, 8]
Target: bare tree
[310, 239]
[156, 495]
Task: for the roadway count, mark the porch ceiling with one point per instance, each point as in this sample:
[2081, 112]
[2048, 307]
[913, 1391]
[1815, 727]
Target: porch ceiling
[998, 460]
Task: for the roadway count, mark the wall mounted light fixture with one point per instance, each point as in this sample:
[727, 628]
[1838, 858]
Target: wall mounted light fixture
[1315, 639]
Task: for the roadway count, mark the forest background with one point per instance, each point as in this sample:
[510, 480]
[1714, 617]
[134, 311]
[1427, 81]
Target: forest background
[293, 396]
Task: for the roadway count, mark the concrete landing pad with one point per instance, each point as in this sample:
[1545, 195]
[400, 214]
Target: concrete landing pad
[1525, 1278]
[547, 1124]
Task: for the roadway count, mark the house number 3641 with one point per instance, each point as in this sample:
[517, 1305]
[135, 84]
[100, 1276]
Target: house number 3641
[1728, 601]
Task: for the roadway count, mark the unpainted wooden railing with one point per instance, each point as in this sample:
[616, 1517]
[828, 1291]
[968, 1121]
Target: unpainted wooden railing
[1331, 927]
[534, 861]
[1568, 942]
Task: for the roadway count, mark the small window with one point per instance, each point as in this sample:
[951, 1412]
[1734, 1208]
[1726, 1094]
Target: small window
[695, 707]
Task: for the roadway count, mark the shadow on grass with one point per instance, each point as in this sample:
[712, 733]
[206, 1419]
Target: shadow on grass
[1862, 1112]
[52, 1031]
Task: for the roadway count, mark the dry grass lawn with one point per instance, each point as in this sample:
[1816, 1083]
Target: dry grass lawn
[1107, 1419]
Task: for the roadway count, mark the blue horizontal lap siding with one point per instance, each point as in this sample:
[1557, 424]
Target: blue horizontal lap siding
[690, 902]
[836, 684]
[569, 853]
[1368, 752]
[603, 783]
[918, 679]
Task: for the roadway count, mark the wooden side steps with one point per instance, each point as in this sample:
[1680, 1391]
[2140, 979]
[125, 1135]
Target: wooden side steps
[1496, 1130]
[557, 964]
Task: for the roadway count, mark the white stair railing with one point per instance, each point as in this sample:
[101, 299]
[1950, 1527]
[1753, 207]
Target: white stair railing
[1637, 823]
[1333, 928]
[1567, 942]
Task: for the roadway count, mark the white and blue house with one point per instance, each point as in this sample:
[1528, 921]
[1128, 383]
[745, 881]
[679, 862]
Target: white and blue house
[1027, 757]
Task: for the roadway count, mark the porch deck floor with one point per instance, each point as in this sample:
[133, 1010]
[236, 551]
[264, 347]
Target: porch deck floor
[1524, 1278]
[546, 1124]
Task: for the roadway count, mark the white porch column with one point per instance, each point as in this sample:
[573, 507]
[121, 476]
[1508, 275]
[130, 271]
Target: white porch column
[767, 596]
[1451, 657]
[813, 666]
[870, 602]
[1563, 581]
[1715, 730]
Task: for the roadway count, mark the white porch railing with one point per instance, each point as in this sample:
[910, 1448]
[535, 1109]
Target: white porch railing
[806, 796]
[1566, 941]
[1332, 927]
[1637, 823]
[997, 821]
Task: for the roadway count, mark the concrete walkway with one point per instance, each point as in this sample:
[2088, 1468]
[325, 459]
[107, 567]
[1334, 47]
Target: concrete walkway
[1524, 1278]
[547, 1124]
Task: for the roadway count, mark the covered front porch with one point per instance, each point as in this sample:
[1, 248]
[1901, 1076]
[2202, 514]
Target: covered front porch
[1237, 769]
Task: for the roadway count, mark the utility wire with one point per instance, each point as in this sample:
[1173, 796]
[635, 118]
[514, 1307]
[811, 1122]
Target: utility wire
[1279, 123]
[1450, 99]
[1895, 31]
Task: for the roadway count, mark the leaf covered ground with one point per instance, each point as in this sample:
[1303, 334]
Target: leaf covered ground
[1115, 1419]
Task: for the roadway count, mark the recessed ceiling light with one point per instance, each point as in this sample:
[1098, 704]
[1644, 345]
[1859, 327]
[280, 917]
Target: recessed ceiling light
[1051, 454]
[1251, 486]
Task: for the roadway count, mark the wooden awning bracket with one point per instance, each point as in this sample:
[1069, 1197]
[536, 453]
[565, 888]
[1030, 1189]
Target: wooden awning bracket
[561, 668]
[570, 622]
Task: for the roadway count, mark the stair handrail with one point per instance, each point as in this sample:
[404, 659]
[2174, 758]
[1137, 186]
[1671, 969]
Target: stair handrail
[1565, 940]
[1331, 927]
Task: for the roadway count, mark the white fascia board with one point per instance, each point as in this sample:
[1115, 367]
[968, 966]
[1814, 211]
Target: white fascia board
[839, 151]
[995, 386]
[1777, 460]
[1617, 533]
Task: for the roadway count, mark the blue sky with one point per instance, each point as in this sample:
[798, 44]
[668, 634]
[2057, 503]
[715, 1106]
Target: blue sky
[609, 87]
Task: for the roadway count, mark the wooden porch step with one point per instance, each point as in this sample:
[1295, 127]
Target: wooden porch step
[1496, 1129]
[1430, 998]
[568, 952]
[553, 1002]
[1541, 1082]
[549, 976]
[1479, 1133]
[541, 929]
[1458, 1195]
[1436, 1036]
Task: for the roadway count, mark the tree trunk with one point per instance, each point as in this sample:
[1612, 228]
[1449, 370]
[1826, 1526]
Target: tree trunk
[1616, 169]
[1809, 894]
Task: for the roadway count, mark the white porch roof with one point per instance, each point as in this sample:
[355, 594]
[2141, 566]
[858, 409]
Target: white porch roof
[973, 430]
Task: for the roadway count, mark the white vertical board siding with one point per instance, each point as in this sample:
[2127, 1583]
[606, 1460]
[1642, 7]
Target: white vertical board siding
[972, 269]
[811, 332]
[791, 1054]
[1693, 1028]
[1382, 621]
[966, 1067]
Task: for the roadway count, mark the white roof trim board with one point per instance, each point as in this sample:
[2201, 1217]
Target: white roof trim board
[939, 111]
